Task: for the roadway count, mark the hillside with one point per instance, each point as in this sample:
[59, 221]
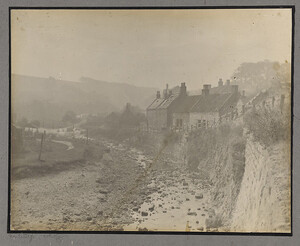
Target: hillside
[48, 99]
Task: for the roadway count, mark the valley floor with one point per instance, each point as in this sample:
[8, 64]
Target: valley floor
[124, 190]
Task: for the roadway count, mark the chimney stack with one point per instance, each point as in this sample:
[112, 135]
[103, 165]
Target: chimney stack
[158, 95]
[220, 83]
[167, 91]
[227, 82]
[183, 89]
[205, 90]
[207, 86]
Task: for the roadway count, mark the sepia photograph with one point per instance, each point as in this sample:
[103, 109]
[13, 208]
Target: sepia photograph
[151, 120]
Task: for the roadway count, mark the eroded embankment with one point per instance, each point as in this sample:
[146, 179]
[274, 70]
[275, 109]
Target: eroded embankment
[263, 204]
[219, 155]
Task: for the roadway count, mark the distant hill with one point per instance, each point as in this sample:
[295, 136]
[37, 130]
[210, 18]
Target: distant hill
[47, 99]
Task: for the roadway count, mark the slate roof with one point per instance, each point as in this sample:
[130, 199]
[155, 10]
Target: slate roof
[167, 102]
[210, 103]
[222, 102]
[224, 89]
[187, 103]
[163, 103]
[155, 103]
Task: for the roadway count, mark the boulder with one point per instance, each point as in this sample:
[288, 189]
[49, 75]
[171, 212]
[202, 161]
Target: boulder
[199, 196]
[151, 208]
[144, 213]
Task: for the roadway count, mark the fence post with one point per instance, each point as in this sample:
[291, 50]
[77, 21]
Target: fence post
[41, 147]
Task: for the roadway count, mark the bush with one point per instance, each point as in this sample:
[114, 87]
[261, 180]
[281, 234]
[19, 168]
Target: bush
[268, 126]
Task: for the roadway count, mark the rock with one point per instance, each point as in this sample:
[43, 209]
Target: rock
[192, 213]
[200, 229]
[187, 199]
[103, 191]
[164, 211]
[185, 184]
[151, 208]
[198, 208]
[135, 209]
[100, 213]
[197, 222]
[199, 196]
[144, 213]
[202, 214]
[89, 218]
[143, 229]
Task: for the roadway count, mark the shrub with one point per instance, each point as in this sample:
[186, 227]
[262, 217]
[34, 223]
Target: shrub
[268, 126]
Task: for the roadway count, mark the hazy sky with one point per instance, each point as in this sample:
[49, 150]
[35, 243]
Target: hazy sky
[147, 47]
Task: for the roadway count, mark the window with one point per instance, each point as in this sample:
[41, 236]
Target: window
[204, 123]
[179, 123]
[199, 124]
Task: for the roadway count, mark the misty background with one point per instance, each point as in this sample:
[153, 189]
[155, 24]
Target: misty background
[95, 61]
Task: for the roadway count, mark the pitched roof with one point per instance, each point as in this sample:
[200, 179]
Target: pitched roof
[210, 103]
[224, 89]
[162, 103]
[187, 103]
[167, 102]
[155, 103]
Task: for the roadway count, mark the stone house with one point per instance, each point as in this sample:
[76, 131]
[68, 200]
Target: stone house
[205, 110]
[160, 111]
[184, 112]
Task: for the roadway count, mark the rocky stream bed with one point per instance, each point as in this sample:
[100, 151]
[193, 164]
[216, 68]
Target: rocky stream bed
[125, 190]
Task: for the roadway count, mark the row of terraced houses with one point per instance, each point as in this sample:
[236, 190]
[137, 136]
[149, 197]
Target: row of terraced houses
[176, 109]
